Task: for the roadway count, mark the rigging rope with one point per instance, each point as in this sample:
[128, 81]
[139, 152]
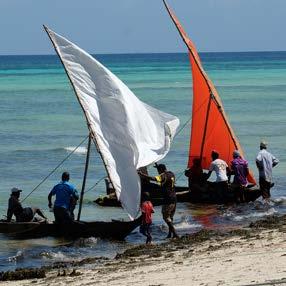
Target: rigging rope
[56, 168]
[181, 129]
[91, 188]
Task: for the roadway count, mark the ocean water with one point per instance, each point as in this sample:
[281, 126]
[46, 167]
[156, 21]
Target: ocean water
[41, 122]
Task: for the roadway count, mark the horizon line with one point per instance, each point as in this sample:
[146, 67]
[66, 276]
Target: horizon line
[144, 53]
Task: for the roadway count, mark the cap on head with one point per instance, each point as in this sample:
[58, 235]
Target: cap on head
[263, 144]
[15, 191]
[236, 154]
[161, 167]
[65, 176]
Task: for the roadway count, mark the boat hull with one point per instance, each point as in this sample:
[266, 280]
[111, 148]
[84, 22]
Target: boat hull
[113, 230]
[206, 195]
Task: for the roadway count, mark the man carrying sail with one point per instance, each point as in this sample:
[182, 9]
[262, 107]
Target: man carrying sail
[221, 168]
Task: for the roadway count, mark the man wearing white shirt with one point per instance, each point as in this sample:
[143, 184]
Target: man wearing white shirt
[265, 161]
[220, 167]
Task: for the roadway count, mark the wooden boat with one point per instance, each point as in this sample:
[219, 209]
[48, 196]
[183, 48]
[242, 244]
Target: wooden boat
[115, 229]
[153, 189]
[115, 118]
[210, 130]
[206, 194]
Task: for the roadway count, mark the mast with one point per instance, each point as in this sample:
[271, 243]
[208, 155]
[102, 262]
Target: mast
[117, 120]
[204, 140]
[206, 126]
[187, 42]
[84, 177]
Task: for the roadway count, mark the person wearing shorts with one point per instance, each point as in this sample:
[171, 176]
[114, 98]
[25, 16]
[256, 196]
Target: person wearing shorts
[166, 179]
[22, 214]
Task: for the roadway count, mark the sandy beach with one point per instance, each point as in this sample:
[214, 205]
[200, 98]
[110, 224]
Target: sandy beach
[251, 256]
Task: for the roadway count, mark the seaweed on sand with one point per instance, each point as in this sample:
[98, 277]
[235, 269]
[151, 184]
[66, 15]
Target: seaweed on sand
[23, 273]
[270, 222]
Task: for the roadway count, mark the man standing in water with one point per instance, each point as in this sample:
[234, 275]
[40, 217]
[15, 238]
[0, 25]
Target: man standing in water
[221, 168]
[265, 161]
[65, 194]
[239, 168]
[167, 181]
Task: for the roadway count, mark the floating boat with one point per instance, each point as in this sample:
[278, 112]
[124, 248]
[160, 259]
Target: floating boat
[127, 133]
[210, 130]
[115, 229]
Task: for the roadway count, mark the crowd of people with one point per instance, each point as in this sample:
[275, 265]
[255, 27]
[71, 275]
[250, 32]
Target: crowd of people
[66, 195]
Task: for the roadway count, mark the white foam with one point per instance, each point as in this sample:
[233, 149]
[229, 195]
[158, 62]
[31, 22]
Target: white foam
[59, 256]
[19, 255]
[79, 150]
[279, 201]
[184, 225]
[269, 212]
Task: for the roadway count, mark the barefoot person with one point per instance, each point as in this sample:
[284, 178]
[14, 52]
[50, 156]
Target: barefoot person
[265, 162]
[22, 214]
[167, 181]
[147, 211]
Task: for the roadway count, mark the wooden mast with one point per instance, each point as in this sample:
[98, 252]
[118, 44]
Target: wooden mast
[84, 177]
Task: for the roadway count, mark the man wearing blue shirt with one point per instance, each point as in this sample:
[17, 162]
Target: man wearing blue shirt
[65, 194]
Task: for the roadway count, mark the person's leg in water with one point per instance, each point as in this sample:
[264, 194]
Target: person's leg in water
[148, 234]
[175, 235]
[145, 230]
[168, 212]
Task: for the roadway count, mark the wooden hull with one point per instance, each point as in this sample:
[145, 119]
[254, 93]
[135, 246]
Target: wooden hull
[205, 194]
[114, 229]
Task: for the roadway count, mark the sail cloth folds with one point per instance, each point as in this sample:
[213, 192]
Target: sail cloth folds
[128, 133]
[210, 127]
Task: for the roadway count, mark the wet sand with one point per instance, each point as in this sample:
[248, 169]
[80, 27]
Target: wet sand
[255, 255]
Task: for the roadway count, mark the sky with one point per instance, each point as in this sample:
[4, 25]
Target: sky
[142, 26]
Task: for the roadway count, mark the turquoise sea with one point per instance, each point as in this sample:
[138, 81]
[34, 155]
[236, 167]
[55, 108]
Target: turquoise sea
[41, 122]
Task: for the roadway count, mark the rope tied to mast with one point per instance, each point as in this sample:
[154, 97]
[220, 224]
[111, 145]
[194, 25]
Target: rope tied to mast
[56, 168]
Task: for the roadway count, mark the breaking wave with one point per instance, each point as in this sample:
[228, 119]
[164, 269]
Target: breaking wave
[79, 150]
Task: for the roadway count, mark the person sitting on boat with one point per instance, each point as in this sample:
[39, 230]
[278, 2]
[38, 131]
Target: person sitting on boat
[221, 169]
[239, 168]
[22, 214]
[195, 175]
[64, 192]
[147, 210]
[167, 181]
[265, 162]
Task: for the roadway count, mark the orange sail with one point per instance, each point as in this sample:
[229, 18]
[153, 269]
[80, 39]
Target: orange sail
[210, 127]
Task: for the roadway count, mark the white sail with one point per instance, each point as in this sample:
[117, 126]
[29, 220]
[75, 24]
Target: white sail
[129, 133]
